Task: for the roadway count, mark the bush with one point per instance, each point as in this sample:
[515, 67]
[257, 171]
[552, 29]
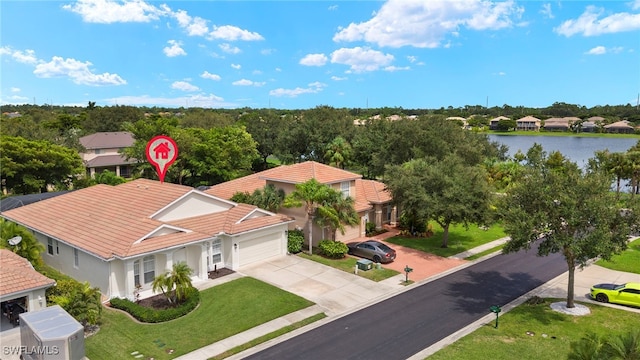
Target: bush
[295, 239]
[149, 315]
[370, 228]
[333, 249]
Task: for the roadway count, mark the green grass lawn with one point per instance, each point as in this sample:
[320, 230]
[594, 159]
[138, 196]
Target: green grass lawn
[224, 310]
[510, 340]
[348, 264]
[627, 261]
[460, 239]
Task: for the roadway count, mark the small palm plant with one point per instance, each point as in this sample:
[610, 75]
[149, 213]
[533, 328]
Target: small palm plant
[174, 284]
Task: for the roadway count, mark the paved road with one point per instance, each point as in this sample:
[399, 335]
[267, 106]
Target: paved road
[403, 325]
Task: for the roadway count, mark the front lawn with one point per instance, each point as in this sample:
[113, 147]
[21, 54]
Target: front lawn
[551, 333]
[460, 239]
[348, 264]
[627, 261]
[224, 310]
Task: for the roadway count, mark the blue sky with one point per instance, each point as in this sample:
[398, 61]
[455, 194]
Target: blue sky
[301, 54]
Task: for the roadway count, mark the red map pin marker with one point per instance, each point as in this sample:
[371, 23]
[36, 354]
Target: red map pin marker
[161, 152]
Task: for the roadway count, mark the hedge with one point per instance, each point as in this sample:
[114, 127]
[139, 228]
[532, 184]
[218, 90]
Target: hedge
[333, 249]
[149, 315]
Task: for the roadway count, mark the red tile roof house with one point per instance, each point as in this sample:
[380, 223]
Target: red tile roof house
[116, 237]
[21, 284]
[372, 202]
[528, 123]
[103, 152]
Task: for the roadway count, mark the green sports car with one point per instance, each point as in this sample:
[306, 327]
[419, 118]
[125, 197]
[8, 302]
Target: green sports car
[625, 294]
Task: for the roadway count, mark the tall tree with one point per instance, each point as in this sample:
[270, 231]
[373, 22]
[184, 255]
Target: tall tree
[336, 212]
[562, 209]
[31, 166]
[338, 152]
[446, 191]
[310, 194]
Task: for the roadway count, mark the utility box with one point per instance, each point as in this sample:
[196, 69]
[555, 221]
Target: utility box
[364, 264]
[51, 334]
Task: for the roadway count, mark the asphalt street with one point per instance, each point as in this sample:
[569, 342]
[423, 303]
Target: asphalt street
[403, 325]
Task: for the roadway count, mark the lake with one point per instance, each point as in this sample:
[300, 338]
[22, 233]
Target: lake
[577, 149]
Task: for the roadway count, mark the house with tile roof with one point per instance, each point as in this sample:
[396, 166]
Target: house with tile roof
[372, 201]
[493, 123]
[620, 127]
[102, 152]
[120, 237]
[22, 285]
[528, 123]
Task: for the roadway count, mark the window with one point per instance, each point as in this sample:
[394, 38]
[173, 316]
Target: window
[76, 260]
[216, 251]
[98, 151]
[344, 188]
[50, 246]
[149, 268]
[57, 248]
[136, 273]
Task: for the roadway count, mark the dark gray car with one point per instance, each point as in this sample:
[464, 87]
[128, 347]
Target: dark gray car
[372, 250]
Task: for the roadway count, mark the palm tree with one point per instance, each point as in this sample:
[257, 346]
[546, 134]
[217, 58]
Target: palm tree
[268, 198]
[337, 212]
[29, 248]
[338, 152]
[82, 301]
[178, 278]
[623, 346]
[587, 348]
[310, 194]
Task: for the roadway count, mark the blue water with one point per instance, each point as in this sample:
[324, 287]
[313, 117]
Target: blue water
[577, 149]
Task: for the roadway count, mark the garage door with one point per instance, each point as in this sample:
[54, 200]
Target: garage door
[260, 249]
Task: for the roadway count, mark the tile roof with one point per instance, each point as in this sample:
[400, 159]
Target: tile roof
[109, 221]
[528, 118]
[305, 171]
[367, 191]
[108, 160]
[107, 140]
[17, 274]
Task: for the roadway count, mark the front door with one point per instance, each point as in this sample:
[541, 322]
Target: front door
[214, 255]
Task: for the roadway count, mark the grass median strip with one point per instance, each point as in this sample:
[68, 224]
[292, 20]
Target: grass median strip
[348, 264]
[269, 336]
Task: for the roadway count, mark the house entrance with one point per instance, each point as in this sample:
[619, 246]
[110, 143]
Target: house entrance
[11, 309]
[214, 255]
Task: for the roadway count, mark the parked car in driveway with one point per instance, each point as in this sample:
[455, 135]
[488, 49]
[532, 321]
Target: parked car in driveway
[372, 250]
[623, 294]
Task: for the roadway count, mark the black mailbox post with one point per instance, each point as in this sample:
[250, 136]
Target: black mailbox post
[407, 270]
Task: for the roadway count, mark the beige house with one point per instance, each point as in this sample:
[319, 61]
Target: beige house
[21, 286]
[102, 152]
[372, 202]
[493, 123]
[528, 123]
[119, 237]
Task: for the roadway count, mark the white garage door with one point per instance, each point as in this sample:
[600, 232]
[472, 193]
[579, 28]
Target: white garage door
[260, 248]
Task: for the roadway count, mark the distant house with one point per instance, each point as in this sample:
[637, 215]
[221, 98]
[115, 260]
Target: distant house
[559, 124]
[102, 152]
[621, 127]
[23, 288]
[528, 123]
[372, 201]
[120, 237]
[465, 124]
[493, 123]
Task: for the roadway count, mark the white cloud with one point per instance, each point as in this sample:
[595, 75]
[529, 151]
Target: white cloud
[598, 50]
[333, 7]
[196, 100]
[229, 49]
[635, 5]
[109, 11]
[412, 58]
[590, 23]
[396, 68]
[267, 51]
[314, 60]
[15, 89]
[278, 69]
[546, 11]
[210, 76]
[245, 82]
[25, 57]
[194, 26]
[236, 66]
[78, 71]
[184, 86]
[256, 72]
[174, 50]
[337, 78]
[601, 50]
[361, 59]
[312, 88]
[425, 24]
[233, 33]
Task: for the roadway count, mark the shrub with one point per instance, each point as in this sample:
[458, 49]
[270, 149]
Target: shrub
[333, 249]
[295, 239]
[149, 315]
[370, 228]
